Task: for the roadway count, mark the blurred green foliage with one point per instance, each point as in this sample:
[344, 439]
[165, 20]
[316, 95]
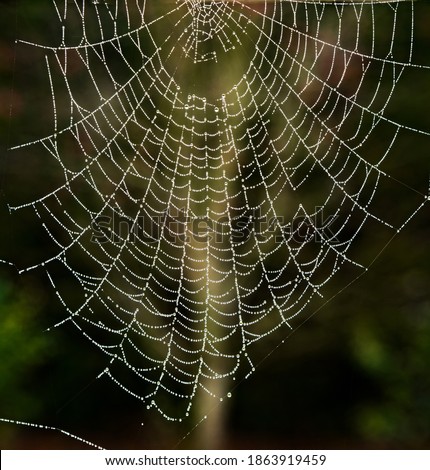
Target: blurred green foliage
[20, 346]
[23, 348]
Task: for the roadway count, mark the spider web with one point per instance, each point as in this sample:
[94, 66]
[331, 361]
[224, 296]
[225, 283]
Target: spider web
[216, 161]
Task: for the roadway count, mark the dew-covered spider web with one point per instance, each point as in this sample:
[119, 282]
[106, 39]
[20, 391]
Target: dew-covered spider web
[214, 163]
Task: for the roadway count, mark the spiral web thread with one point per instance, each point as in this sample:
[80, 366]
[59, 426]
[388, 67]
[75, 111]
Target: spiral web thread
[195, 220]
